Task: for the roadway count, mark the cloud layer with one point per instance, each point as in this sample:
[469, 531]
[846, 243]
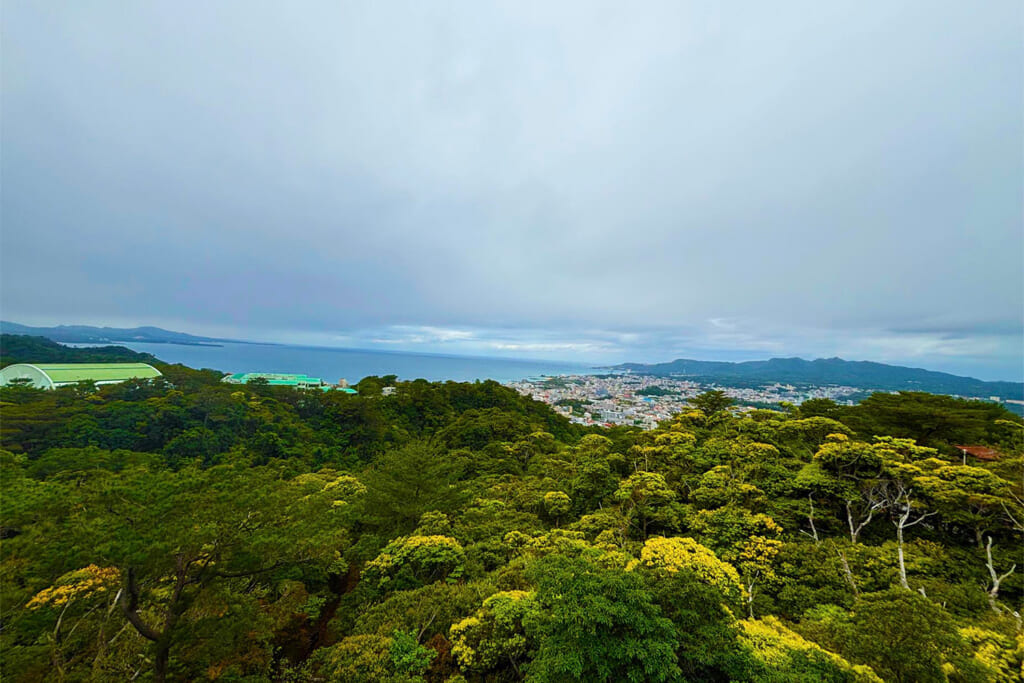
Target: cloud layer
[583, 180]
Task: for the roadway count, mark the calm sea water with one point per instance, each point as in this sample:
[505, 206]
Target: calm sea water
[334, 364]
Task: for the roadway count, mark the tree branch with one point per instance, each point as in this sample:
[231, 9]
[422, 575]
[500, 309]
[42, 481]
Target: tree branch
[996, 580]
[130, 607]
[1013, 520]
[238, 575]
[921, 518]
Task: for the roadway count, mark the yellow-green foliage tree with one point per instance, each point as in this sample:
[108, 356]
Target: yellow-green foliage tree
[495, 636]
[685, 554]
[370, 659]
[779, 654]
[411, 561]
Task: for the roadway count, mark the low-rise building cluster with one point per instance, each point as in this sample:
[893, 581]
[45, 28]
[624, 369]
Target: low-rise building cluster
[644, 400]
[280, 379]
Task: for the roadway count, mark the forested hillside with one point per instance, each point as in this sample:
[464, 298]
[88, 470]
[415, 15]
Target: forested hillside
[18, 348]
[184, 529]
[102, 335]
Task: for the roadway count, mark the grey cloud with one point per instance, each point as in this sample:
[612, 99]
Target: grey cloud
[827, 176]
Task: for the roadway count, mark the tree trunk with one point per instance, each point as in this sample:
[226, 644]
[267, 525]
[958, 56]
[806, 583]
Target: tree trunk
[849, 518]
[899, 546]
[175, 608]
[163, 656]
[810, 518]
[130, 606]
[856, 529]
[902, 521]
[847, 571]
[993, 592]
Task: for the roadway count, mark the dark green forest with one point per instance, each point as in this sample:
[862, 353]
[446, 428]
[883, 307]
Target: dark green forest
[22, 348]
[186, 529]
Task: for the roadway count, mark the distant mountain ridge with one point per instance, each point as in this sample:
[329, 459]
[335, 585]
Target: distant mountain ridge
[859, 374]
[87, 334]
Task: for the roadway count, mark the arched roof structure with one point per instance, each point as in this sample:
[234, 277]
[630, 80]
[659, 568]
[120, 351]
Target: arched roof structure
[53, 375]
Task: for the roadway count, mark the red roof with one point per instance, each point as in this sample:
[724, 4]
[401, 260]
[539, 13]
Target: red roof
[981, 452]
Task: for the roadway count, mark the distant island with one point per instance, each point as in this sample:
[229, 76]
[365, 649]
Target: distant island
[858, 374]
[87, 334]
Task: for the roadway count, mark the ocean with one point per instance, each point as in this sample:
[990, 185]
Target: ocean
[332, 364]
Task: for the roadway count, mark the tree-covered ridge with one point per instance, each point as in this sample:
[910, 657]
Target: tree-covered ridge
[89, 334]
[183, 529]
[17, 348]
[860, 374]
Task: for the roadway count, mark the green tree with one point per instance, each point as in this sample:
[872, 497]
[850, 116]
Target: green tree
[597, 624]
[179, 539]
[557, 504]
[495, 635]
[778, 655]
[711, 402]
[407, 482]
[820, 407]
[646, 497]
[408, 658]
[195, 442]
[929, 419]
[593, 480]
[903, 636]
[705, 634]
[413, 561]
[356, 659]
[967, 495]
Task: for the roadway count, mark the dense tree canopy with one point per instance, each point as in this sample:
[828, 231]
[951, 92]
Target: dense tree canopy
[186, 529]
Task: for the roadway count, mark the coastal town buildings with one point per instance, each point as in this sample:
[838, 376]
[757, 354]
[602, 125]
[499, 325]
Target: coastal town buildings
[644, 401]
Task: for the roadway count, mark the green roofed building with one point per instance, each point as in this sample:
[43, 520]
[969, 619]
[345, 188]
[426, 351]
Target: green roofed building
[53, 375]
[276, 379]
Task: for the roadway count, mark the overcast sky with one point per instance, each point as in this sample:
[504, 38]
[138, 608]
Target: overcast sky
[592, 181]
